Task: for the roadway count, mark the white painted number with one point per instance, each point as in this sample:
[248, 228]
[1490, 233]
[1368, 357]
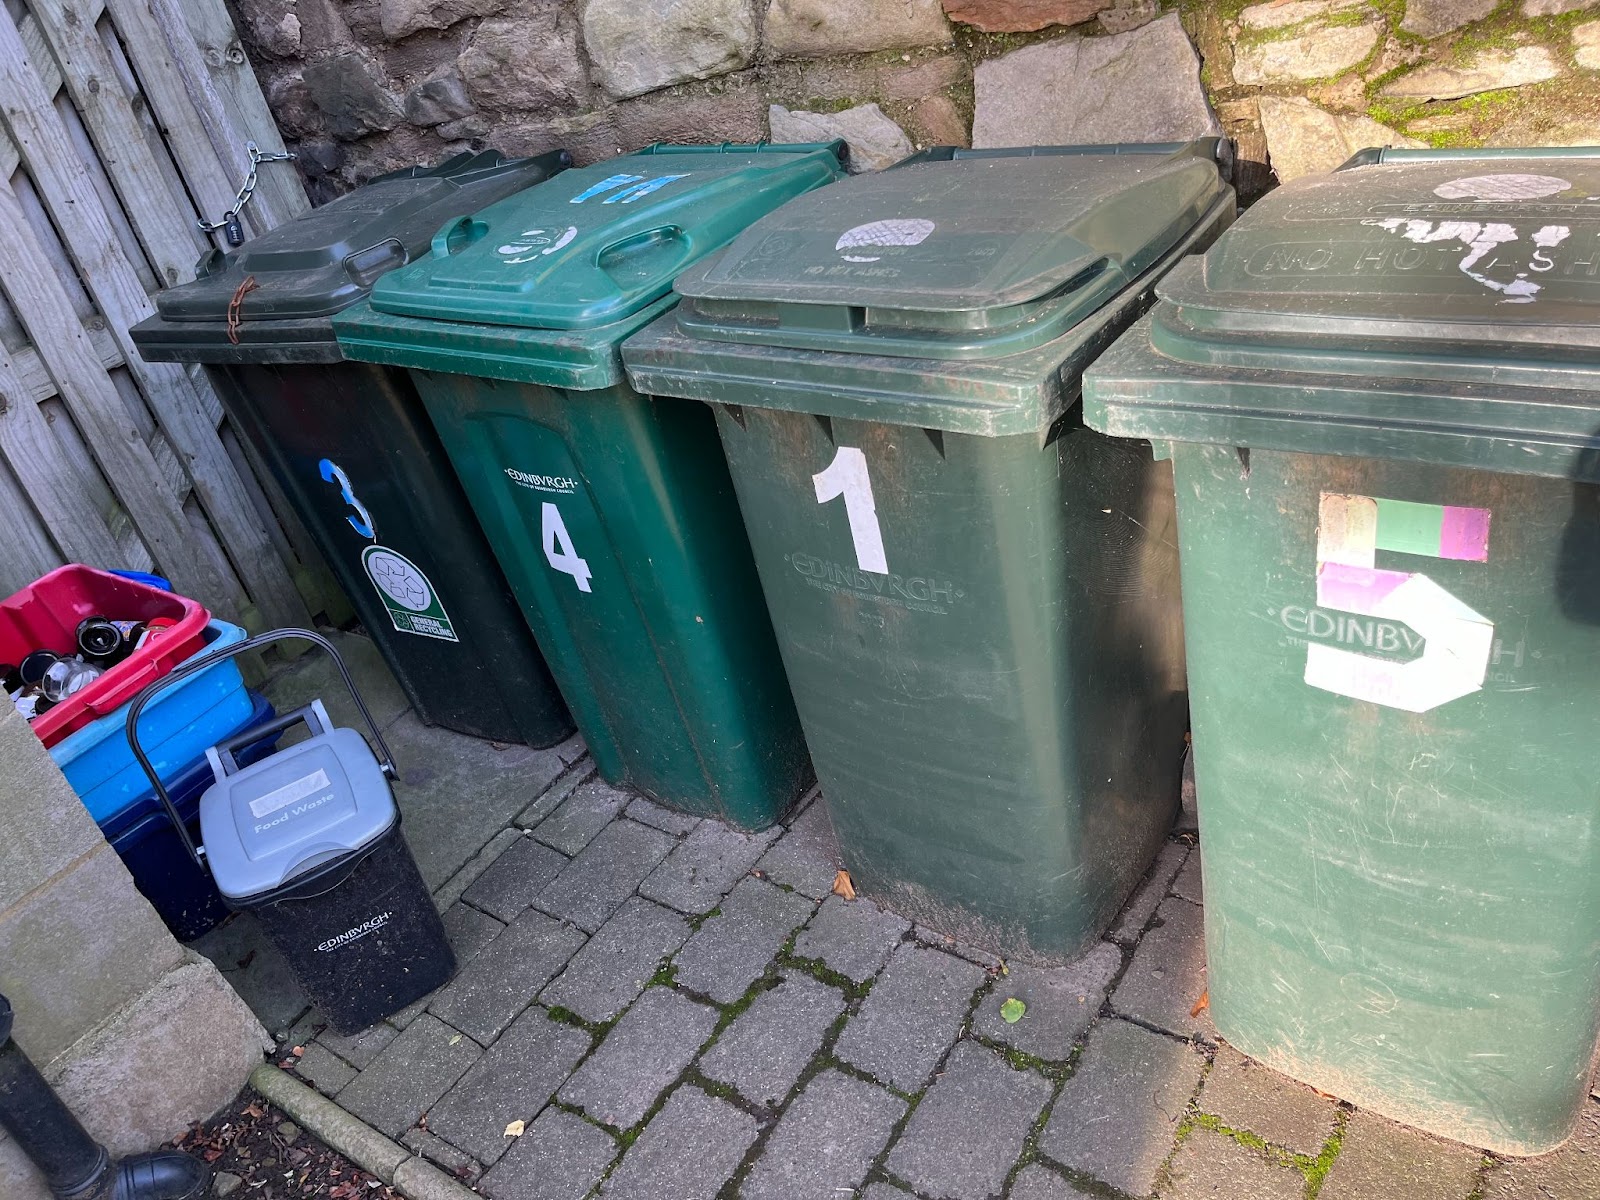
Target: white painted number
[558, 551]
[847, 476]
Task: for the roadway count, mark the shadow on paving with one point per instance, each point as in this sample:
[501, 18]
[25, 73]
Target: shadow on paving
[672, 1008]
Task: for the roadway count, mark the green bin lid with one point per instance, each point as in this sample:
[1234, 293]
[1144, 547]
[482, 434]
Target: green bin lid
[542, 287]
[960, 290]
[1428, 306]
[288, 281]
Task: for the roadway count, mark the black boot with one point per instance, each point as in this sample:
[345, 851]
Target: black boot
[74, 1165]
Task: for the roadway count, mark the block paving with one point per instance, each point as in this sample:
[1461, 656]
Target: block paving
[675, 1010]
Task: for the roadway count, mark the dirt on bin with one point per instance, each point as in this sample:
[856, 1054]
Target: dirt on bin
[258, 1153]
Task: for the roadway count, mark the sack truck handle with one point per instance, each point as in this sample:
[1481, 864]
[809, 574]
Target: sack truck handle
[194, 666]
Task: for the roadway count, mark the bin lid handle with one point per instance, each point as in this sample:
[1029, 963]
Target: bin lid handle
[457, 236]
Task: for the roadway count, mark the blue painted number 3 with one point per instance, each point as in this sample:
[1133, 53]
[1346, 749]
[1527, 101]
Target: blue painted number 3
[361, 522]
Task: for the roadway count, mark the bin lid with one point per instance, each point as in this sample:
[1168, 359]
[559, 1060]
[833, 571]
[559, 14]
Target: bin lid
[955, 253]
[544, 285]
[1425, 305]
[304, 271]
[293, 812]
[961, 290]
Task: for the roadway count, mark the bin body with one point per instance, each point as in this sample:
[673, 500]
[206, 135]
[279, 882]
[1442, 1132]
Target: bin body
[612, 515]
[976, 596]
[352, 448]
[1388, 514]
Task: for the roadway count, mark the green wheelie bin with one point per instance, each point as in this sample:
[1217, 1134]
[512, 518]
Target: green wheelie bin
[1381, 394]
[976, 596]
[611, 513]
[352, 448]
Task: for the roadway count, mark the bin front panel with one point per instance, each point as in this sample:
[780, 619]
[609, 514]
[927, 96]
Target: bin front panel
[1396, 669]
[982, 637]
[616, 523]
[352, 447]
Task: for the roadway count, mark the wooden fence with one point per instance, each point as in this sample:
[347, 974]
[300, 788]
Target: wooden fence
[121, 122]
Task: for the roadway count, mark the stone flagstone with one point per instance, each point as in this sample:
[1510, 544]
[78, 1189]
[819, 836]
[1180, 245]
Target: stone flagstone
[912, 1016]
[640, 1058]
[1243, 1094]
[1209, 1165]
[703, 868]
[1060, 1004]
[608, 974]
[1487, 72]
[802, 28]
[1379, 1159]
[1117, 1116]
[874, 140]
[1322, 51]
[852, 937]
[826, 1141]
[410, 1074]
[1303, 139]
[637, 48]
[734, 948]
[494, 987]
[1430, 18]
[558, 1157]
[970, 1127]
[687, 1152]
[763, 1053]
[1141, 86]
[1022, 16]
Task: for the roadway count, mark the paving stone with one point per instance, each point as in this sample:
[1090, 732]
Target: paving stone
[1571, 1172]
[411, 1073]
[608, 974]
[1167, 977]
[455, 887]
[986, 959]
[1190, 883]
[807, 857]
[513, 1080]
[1243, 1094]
[687, 1152]
[589, 809]
[469, 931]
[323, 1071]
[765, 1050]
[886, 1191]
[852, 937]
[1380, 1160]
[1210, 1166]
[1142, 905]
[732, 949]
[515, 879]
[658, 816]
[705, 866]
[499, 982]
[642, 1054]
[443, 1155]
[826, 1141]
[359, 1049]
[1117, 1116]
[912, 1016]
[256, 969]
[551, 798]
[1487, 71]
[1321, 51]
[1034, 1182]
[605, 873]
[559, 1157]
[970, 1127]
[1061, 1003]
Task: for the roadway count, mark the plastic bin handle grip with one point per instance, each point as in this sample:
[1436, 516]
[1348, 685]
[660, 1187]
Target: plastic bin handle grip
[200, 663]
[248, 737]
[127, 685]
[457, 236]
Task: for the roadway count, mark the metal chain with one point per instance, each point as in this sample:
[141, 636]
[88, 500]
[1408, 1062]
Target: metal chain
[230, 219]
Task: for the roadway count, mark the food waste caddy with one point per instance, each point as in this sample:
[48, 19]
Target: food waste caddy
[1381, 397]
[976, 597]
[352, 448]
[612, 514]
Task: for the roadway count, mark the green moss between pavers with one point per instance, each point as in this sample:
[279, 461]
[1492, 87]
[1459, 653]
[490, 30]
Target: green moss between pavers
[1317, 1173]
[820, 971]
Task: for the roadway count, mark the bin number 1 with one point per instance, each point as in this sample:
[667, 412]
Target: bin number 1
[847, 476]
[558, 548]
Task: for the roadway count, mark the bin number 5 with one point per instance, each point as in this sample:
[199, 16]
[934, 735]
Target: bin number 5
[847, 476]
[558, 549]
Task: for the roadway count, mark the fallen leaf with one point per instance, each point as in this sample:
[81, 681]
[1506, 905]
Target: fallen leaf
[455, 1039]
[298, 1052]
[1011, 1011]
[515, 1128]
[1201, 1004]
[842, 885]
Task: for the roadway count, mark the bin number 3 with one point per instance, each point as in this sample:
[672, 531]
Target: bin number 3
[558, 549]
[847, 476]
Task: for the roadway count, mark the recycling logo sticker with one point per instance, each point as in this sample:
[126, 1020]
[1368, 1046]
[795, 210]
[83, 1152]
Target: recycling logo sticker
[414, 607]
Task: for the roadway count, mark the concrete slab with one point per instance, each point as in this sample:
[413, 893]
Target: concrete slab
[313, 676]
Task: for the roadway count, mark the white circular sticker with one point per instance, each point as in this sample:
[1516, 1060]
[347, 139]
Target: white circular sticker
[400, 581]
[909, 231]
[1502, 187]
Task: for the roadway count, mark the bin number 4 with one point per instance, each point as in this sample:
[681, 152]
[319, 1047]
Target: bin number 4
[558, 549]
[847, 476]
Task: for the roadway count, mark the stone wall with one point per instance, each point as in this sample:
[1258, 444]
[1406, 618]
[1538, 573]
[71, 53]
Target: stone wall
[140, 1036]
[363, 86]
